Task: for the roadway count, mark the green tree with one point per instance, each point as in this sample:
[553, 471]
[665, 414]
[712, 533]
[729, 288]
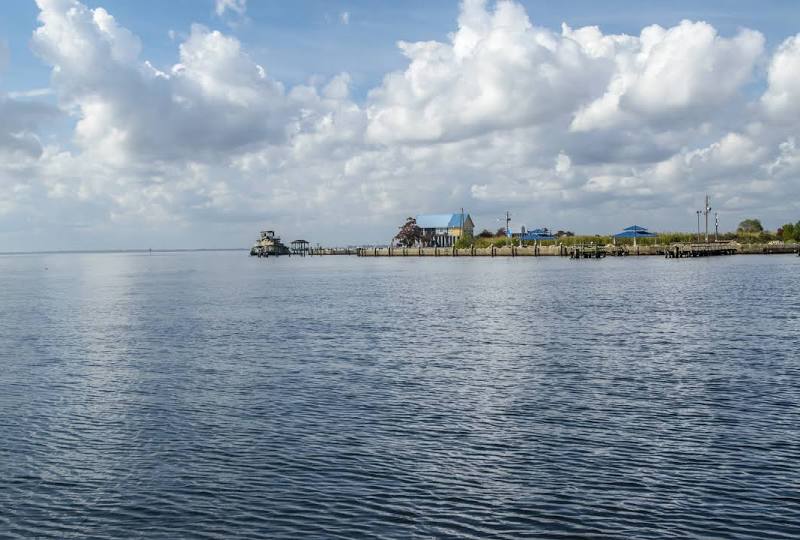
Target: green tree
[410, 233]
[464, 242]
[788, 233]
[750, 226]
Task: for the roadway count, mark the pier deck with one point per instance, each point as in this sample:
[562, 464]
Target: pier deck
[587, 251]
[679, 251]
[580, 251]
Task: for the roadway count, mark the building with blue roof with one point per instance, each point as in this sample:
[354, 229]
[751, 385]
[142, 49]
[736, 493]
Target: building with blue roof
[536, 235]
[444, 230]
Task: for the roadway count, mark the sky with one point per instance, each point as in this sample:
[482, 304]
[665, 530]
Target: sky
[197, 123]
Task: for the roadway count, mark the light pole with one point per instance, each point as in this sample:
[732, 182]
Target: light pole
[508, 223]
[698, 225]
[716, 226]
[705, 213]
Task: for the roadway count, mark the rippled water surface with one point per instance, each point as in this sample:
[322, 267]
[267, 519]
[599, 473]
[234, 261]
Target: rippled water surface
[212, 395]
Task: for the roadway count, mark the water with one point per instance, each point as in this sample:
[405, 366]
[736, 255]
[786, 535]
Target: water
[211, 395]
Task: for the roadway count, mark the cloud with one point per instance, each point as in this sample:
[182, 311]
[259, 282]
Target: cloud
[680, 74]
[344, 16]
[497, 72]
[782, 98]
[571, 128]
[19, 121]
[32, 93]
[215, 100]
[500, 72]
[236, 6]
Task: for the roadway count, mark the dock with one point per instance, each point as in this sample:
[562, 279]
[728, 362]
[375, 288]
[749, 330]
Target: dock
[270, 246]
[682, 250]
[333, 251]
[587, 251]
[490, 251]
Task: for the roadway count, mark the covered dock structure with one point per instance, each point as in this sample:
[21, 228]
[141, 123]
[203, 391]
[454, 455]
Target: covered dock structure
[635, 232]
[300, 247]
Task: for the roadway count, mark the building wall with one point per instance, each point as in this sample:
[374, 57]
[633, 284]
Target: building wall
[468, 229]
[456, 231]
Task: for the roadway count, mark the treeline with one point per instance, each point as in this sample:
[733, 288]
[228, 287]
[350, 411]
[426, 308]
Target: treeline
[752, 229]
[749, 231]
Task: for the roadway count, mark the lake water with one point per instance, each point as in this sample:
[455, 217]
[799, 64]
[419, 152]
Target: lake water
[213, 395]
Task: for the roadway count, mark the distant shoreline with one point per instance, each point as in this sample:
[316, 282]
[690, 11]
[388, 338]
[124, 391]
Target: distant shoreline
[102, 251]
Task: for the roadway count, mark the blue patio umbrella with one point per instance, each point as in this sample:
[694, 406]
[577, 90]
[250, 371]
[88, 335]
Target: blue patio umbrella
[635, 231]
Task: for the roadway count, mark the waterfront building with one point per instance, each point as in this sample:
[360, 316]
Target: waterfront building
[268, 244]
[444, 230]
[534, 235]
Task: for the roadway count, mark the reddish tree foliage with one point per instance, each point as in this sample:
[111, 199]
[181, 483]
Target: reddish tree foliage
[410, 233]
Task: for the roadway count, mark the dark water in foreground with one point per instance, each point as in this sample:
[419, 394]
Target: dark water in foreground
[217, 396]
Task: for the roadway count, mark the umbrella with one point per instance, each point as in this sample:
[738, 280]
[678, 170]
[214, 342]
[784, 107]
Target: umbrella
[635, 231]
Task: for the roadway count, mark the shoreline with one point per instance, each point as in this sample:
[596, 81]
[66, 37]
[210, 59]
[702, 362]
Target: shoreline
[562, 251]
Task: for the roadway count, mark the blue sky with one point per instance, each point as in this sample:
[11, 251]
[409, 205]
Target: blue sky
[180, 123]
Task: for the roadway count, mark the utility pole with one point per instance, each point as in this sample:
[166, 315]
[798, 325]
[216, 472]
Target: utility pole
[461, 236]
[706, 212]
[716, 226]
[508, 224]
[698, 225]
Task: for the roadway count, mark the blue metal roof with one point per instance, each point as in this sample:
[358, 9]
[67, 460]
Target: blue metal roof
[635, 234]
[440, 221]
[537, 235]
[635, 231]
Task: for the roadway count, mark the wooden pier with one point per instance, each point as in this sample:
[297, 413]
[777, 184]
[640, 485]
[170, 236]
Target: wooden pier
[777, 249]
[580, 251]
[333, 251]
[490, 251]
[587, 251]
[680, 251]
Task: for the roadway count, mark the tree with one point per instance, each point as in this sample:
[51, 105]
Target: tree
[561, 234]
[463, 242]
[410, 233]
[789, 232]
[750, 226]
[485, 233]
[501, 232]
